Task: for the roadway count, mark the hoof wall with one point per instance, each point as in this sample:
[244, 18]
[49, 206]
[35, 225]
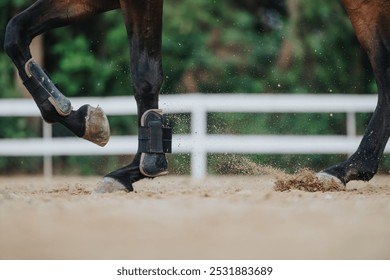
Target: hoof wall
[110, 185]
[323, 176]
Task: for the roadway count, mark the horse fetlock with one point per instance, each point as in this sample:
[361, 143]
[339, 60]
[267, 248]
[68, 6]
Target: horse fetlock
[42, 88]
[153, 165]
[97, 127]
[360, 173]
[154, 140]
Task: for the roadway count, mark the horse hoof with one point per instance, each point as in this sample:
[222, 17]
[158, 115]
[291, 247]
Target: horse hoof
[97, 128]
[109, 185]
[323, 176]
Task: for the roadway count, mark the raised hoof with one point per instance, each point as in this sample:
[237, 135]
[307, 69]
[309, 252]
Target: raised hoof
[97, 128]
[109, 185]
[323, 176]
[153, 165]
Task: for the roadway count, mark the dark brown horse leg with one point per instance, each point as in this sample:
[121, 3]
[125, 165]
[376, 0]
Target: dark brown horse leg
[371, 20]
[144, 27]
[87, 122]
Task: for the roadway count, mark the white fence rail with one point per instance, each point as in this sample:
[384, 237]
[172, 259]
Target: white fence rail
[198, 143]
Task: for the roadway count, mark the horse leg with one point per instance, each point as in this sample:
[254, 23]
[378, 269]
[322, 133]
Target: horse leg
[370, 20]
[87, 122]
[144, 27]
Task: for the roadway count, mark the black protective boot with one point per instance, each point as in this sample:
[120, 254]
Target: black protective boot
[155, 139]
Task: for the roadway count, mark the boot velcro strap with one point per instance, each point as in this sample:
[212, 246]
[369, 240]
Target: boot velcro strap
[155, 138]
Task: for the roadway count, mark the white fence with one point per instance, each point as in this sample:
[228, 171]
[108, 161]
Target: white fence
[198, 143]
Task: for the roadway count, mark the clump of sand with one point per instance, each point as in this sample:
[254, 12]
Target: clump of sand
[307, 180]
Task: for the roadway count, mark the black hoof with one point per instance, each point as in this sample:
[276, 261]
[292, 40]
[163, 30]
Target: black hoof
[323, 176]
[336, 172]
[143, 166]
[123, 177]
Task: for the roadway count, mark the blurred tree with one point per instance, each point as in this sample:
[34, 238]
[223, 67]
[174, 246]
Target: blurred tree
[224, 46]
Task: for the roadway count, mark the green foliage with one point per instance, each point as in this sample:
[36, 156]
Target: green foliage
[209, 47]
[284, 123]
[213, 51]
[91, 65]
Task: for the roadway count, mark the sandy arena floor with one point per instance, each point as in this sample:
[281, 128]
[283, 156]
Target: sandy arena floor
[238, 217]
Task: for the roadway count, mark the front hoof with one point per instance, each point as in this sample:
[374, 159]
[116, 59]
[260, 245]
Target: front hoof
[109, 185]
[97, 127]
[326, 177]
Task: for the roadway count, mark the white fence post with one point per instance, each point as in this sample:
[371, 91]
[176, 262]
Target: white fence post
[351, 124]
[199, 132]
[47, 158]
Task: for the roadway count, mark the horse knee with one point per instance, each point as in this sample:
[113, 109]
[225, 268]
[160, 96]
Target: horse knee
[10, 39]
[16, 41]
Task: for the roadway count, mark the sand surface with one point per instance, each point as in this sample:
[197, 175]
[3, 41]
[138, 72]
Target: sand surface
[237, 217]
